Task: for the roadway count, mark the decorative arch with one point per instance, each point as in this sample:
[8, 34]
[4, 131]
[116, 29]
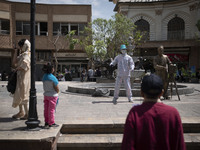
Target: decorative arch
[176, 29]
[144, 27]
[151, 22]
[170, 16]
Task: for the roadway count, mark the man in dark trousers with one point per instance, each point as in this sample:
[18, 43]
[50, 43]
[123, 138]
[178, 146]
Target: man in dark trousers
[153, 125]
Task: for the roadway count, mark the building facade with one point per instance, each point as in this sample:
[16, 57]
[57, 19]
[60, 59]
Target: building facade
[52, 23]
[171, 23]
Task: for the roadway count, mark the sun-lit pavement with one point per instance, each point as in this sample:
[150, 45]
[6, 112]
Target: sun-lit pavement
[83, 108]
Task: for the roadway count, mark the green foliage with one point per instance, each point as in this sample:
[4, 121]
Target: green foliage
[103, 37]
[89, 50]
[71, 39]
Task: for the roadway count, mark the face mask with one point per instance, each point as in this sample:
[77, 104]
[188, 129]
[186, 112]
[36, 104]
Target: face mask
[123, 52]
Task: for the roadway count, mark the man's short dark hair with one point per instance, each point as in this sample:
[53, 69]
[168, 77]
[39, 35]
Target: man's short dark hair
[152, 86]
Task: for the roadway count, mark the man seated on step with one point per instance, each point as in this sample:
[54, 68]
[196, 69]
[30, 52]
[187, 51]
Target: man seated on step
[153, 125]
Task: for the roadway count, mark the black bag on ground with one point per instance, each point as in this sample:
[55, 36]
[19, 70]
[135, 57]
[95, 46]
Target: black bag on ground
[98, 92]
[12, 81]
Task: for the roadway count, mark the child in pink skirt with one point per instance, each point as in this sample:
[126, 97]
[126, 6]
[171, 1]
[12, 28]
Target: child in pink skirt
[51, 90]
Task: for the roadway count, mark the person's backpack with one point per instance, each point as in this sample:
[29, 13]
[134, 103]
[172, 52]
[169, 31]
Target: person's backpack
[98, 92]
[12, 81]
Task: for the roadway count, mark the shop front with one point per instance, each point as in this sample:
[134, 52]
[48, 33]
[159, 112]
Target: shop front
[181, 60]
[72, 63]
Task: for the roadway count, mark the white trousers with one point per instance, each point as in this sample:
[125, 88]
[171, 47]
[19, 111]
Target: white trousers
[127, 86]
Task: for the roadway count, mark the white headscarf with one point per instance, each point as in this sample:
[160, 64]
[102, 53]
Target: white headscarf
[26, 47]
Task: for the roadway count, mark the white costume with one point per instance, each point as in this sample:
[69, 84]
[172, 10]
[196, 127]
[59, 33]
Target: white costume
[125, 65]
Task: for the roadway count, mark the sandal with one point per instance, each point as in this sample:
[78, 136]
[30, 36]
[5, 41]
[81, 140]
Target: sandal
[18, 115]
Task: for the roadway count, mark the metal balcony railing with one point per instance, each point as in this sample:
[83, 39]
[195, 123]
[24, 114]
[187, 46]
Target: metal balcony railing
[176, 35]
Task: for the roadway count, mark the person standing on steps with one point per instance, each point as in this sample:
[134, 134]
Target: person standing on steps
[21, 64]
[125, 65]
[153, 125]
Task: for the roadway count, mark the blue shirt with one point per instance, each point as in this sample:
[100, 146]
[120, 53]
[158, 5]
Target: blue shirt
[49, 80]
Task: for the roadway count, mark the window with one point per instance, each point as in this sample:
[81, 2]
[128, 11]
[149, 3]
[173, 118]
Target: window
[43, 55]
[56, 28]
[43, 28]
[75, 28]
[81, 28]
[4, 26]
[23, 28]
[144, 27]
[26, 28]
[19, 28]
[65, 28]
[176, 29]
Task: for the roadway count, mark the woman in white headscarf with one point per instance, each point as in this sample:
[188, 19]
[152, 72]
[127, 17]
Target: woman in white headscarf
[22, 65]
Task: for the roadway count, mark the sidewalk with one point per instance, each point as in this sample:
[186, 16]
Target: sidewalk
[76, 108]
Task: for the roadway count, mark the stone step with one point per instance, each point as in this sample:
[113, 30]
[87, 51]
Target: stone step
[189, 126]
[91, 128]
[110, 141]
[89, 141]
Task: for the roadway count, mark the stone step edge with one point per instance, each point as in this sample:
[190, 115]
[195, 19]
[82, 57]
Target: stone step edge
[189, 127]
[110, 140]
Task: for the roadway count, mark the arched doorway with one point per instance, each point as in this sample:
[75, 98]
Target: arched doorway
[176, 29]
[144, 27]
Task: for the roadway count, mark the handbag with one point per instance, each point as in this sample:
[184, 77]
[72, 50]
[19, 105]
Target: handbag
[12, 81]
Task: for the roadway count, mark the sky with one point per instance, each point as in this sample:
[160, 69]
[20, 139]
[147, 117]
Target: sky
[100, 8]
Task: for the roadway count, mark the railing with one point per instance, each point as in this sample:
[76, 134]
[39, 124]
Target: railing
[4, 32]
[176, 35]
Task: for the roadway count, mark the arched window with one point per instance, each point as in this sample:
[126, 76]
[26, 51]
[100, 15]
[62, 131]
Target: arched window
[144, 27]
[176, 29]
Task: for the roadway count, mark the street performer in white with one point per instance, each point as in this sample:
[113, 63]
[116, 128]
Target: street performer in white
[125, 65]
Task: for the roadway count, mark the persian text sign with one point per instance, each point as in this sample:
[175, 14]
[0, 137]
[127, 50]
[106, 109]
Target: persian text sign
[71, 55]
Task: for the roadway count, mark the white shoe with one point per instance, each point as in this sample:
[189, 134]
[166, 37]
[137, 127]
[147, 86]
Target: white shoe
[130, 100]
[114, 101]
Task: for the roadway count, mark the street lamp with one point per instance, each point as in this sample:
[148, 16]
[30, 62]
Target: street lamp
[33, 121]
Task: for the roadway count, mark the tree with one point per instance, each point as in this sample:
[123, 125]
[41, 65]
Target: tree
[198, 25]
[57, 45]
[103, 37]
[71, 39]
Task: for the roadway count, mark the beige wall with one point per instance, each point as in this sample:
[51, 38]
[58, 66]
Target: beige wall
[47, 13]
[4, 15]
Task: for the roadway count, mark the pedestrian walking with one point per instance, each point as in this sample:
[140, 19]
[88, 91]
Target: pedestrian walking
[90, 74]
[83, 75]
[51, 90]
[153, 125]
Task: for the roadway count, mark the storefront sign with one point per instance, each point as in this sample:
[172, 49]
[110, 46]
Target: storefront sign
[178, 57]
[71, 55]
